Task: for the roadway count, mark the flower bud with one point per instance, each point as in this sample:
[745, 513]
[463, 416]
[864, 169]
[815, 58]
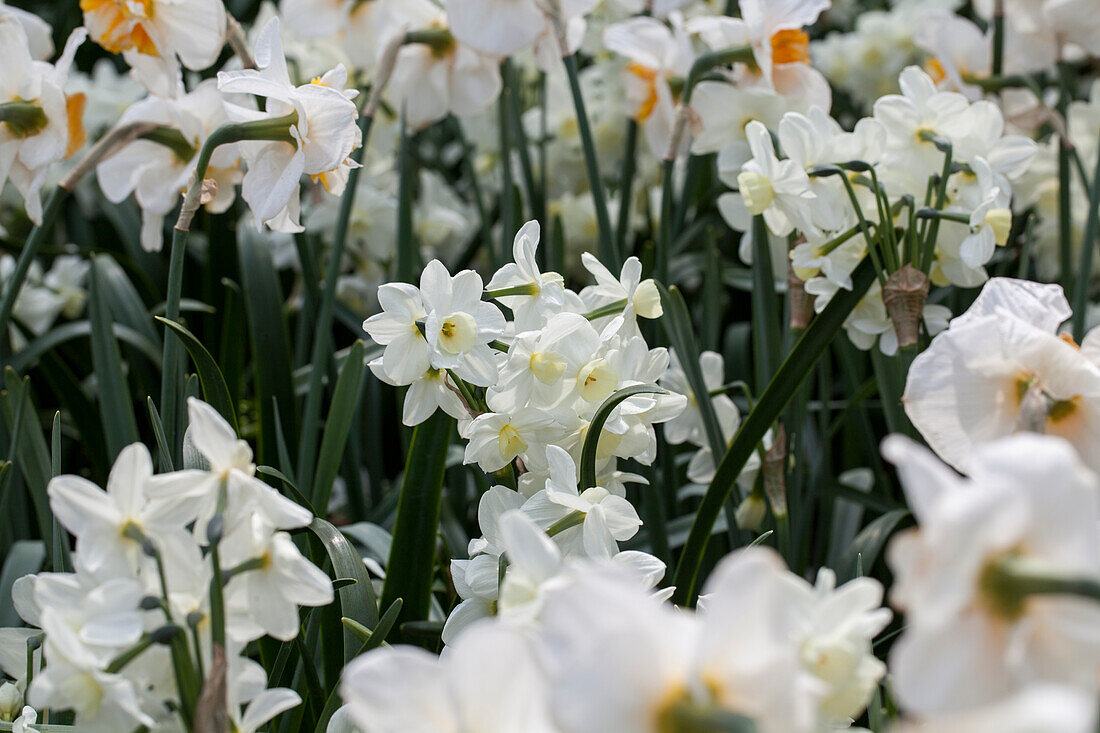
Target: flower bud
[1000, 220]
[750, 513]
[647, 300]
[756, 190]
[11, 702]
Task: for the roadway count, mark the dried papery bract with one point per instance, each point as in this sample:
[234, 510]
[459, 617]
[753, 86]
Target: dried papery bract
[904, 295]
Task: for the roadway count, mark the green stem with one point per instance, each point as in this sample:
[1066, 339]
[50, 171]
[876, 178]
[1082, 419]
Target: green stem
[275, 129]
[607, 251]
[611, 309]
[569, 520]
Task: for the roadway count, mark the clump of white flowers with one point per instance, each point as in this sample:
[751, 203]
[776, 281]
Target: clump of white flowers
[173, 573]
[930, 173]
[765, 648]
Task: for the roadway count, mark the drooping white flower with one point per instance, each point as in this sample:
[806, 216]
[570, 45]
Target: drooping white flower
[284, 580]
[158, 175]
[444, 76]
[688, 426]
[324, 133]
[50, 126]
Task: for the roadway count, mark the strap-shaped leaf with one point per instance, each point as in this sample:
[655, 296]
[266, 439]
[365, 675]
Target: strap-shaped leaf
[115, 405]
[769, 406]
[214, 389]
[357, 601]
[595, 429]
[345, 401]
[412, 554]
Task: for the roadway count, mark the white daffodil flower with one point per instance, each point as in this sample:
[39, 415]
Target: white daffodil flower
[111, 525]
[688, 426]
[780, 46]
[271, 593]
[608, 518]
[405, 689]
[406, 356]
[640, 662]
[324, 133]
[158, 175]
[642, 298]
[547, 293]
[153, 33]
[778, 189]
[835, 627]
[231, 471]
[494, 439]
[459, 325]
[969, 640]
[47, 125]
[541, 363]
[655, 55]
[1001, 366]
[432, 79]
[75, 680]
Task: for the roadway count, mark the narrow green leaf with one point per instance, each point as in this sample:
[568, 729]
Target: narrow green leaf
[271, 359]
[681, 334]
[60, 538]
[412, 554]
[766, 331]
[25, 557]
[867, 546]
[66, 332]
[214, 389]
[164, 456]
[116, 407]
[595, 429]
[814, 342]
[30, 451]
[345, 401]
[357, 601]
[298, 495]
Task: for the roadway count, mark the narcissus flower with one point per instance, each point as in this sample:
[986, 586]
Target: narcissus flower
[322, 134]
[39, 123]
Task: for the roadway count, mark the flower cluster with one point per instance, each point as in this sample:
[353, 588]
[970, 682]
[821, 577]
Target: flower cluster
[173, 573]
[642, 665]
[922, 147]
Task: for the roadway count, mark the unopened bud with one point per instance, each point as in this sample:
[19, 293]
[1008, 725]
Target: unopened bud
[11, 702]
[647, 300]
[750, 513]
[903, 295]
[165, 634]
